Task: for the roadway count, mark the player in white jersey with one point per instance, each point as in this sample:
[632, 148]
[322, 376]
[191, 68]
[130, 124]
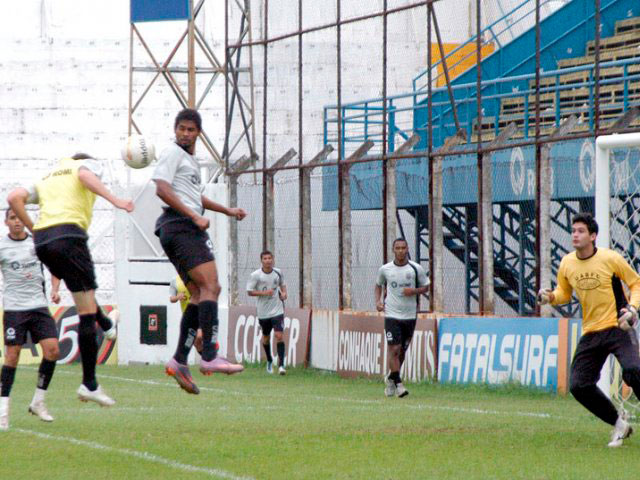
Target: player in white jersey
[25, 311]
[397, 291]
[182, 230]
[267, 284]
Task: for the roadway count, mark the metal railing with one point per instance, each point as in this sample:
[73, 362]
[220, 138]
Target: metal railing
[509, 20]
[363, 120]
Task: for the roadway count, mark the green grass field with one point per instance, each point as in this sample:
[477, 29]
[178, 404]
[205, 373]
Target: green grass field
[309, 424]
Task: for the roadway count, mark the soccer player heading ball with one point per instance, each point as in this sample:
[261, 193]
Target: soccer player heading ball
[596, 275]
[66, 197]
[267, 284]
[403, 281]
[182, 230]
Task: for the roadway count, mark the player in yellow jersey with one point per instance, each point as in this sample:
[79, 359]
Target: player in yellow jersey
[596, 276]
[178, 291]
[66, 196]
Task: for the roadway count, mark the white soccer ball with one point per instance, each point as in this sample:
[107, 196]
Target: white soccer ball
[138, 152]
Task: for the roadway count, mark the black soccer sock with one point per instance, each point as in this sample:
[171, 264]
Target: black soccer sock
[188, 330]
[7, 375]
[208, 320]
[395, 376]
[267, 350]
[104, 322]
[88, 350]
[280, 346]
[45, 372]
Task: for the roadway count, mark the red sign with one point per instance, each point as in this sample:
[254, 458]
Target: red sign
[153, 322]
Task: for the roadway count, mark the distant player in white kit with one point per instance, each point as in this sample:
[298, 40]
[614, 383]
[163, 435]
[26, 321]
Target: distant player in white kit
[403, 281]
[267, 284]
[25, 310]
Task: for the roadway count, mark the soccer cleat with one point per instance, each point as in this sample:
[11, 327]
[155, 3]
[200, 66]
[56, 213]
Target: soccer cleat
[401, 391]
[114, 316]
[182, 375]
[39, 409]
[389, 387]
[98, 396]
[4, 413]
[621, 431]
[219, 365]
[281, 371]
[269, 367]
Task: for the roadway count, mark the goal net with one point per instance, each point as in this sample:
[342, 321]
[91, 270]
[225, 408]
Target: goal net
[617, 202]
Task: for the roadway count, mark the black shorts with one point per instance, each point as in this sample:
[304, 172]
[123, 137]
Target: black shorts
[276, 323]
[594, 348]
[185, 244]
[68, 258]
[38, 323]
[399, 332]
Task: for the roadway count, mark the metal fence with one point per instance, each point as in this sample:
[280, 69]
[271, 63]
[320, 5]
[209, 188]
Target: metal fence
[371, 123]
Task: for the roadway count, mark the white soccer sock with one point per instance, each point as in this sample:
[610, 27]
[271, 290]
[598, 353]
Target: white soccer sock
[38, 395]
[4, 402]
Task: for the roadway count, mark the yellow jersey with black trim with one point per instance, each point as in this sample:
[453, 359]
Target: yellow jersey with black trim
[597, 282]
[62, 198]
[177, 286]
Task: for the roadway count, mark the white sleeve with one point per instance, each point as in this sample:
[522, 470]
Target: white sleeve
[167, 167]
[381, 280]
[94, 166]
[173, 288]
[33, 194]
[281, 278]
[252, 283]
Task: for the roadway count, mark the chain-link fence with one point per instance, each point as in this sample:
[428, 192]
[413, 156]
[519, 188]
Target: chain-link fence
[392, 138]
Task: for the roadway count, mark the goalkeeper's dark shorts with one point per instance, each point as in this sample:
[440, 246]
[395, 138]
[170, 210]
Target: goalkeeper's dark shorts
[399, 332]
[593, 350]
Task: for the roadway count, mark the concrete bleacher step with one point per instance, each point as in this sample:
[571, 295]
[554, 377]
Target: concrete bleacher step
[575, 98]
[627, 25]
[607, 56]
[584, 76]
[625, 40]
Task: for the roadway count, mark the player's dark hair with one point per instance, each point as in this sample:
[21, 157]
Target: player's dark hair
[82, 156]
[188, 114]
[588, 220]
[7, 212]
[265, 252]
[400, 239]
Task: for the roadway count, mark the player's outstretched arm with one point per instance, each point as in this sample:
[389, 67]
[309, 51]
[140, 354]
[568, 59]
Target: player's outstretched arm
[165, 192]
[91, 181]
[209, 204]
[260, 293]
[17, 200]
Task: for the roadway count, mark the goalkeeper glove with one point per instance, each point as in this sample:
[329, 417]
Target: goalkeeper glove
[628, 317]
[545, 296]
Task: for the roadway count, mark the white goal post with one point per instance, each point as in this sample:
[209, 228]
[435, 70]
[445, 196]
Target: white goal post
[604, 145]
[617, 211]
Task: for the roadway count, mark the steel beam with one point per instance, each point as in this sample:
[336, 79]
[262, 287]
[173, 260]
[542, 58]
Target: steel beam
[270, 232]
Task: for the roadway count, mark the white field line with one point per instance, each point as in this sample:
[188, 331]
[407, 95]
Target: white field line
[149, 457]
[382, 402]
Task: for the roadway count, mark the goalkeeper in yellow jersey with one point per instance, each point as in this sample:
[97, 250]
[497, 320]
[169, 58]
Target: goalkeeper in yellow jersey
[596, 275]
